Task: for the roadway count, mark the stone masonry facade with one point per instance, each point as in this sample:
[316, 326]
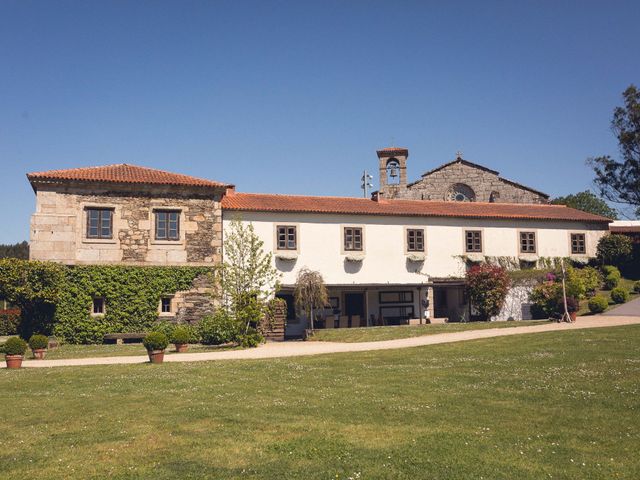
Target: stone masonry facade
[58, 227]
[444, 182]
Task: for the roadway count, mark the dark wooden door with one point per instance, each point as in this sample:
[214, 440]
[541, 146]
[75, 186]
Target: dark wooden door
[354, 305]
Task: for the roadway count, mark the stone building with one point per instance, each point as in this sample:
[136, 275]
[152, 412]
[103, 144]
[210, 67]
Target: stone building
[459, 180]
[125, 214]
[130, 215]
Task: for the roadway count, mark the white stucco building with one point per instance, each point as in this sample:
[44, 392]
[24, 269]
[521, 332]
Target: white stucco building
[389, 261]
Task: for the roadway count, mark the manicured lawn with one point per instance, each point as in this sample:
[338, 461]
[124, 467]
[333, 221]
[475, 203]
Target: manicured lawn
[85, 351]
[550, 405]
[373, 334]
[625, 283]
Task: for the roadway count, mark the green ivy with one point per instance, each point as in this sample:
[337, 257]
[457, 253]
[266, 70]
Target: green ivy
[131, 293]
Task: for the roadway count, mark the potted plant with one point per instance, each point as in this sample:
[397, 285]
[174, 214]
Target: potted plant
[572, 307]
[155, 343]
[38, 344]
[181, 337]
[14, 349]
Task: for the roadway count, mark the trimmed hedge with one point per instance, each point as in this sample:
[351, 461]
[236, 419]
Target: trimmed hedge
[37, 342]
[598, 304]
[14, 346]
[155, 341]
[619, 295]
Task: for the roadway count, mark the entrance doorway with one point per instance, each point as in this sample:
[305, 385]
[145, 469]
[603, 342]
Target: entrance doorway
[354, 308]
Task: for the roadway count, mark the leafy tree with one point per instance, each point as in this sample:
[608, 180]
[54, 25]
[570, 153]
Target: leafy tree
[248, 278]
[619, 181]
[16, 250]
[587, 202]
[614, 249]
[310, 292]
[487, 286]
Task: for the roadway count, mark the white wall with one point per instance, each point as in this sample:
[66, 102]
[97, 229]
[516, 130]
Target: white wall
[385, 262]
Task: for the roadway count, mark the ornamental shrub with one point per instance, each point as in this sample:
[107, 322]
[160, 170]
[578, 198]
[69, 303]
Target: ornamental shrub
[163, 326]
[155, 341]
[615, 249]
[573, 305]
[38, 342]
[545, 298]
[14, 346]
[619, 295]
[219, 328]
[251, 339]
[611, 270]
[611, 281]
[598, 304]
[487, 286]
[636, 287]
[582, 282]
[181, 334]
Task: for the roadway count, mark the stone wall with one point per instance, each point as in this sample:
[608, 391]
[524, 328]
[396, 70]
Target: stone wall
[436, 185]
[58, 227]
[191, 305]
[517, 305]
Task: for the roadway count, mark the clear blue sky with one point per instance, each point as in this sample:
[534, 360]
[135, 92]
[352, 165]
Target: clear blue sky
[295, 97]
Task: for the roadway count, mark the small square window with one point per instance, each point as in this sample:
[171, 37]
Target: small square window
[98, 306]
[99, 223]
[165, 305]
[287, 237]
[473, 241]
[527, 242]
[353, 239]
[167, 225]
[578, 244]
[415, 240]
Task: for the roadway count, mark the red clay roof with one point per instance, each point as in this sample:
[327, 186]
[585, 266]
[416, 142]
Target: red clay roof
[123, 173]
[419, 208]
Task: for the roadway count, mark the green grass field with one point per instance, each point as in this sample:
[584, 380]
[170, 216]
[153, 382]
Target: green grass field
[550, 405]
[87, 351]
[375, 334]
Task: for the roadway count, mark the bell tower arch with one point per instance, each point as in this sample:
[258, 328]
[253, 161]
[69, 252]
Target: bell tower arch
[392, 164]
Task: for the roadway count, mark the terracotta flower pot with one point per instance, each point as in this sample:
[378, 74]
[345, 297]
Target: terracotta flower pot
[156, 356]
[14, 361]
[573, 316]
[39, 353]
[181, 347]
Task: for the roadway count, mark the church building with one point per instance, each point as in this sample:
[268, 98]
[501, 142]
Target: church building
[459, 180]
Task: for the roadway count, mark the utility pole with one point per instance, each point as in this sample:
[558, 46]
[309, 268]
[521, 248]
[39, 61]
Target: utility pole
[366, 184]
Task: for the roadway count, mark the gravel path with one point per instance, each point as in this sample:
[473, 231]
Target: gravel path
[299, 348]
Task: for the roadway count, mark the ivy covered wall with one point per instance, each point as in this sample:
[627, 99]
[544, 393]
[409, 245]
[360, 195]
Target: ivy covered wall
[57, 299]
[132, 295]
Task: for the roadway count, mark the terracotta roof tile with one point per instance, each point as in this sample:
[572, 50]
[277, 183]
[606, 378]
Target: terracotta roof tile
[123, 173]
[419, 208]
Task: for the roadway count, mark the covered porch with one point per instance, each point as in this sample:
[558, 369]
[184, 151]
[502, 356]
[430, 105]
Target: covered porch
[353, 306]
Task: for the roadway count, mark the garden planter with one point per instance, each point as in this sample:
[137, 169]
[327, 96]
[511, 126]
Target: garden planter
[156, 356]
[181, 347]
[573, 316]
[39, 353]
[14, 361]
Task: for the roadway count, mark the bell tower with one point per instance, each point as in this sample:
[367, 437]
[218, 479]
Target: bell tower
[392, 163]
